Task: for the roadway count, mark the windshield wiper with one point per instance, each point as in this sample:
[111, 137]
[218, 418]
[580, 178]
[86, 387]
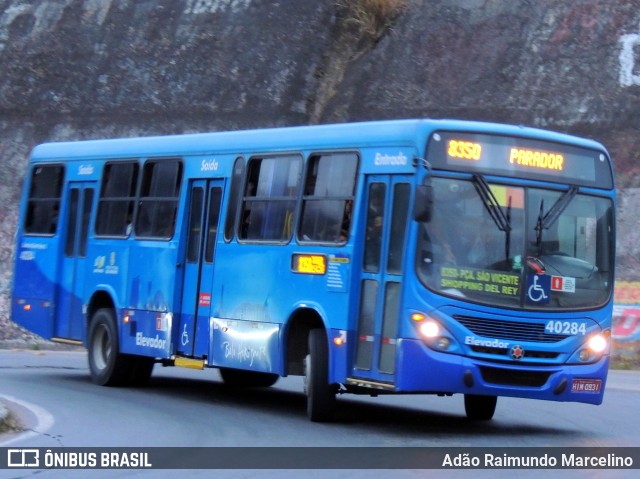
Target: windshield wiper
[546, 220]
[489, 200]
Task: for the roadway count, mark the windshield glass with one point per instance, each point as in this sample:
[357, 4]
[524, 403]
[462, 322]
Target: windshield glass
[517, 247]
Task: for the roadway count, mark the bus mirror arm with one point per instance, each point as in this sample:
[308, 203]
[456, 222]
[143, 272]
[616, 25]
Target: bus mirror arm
[423, 204]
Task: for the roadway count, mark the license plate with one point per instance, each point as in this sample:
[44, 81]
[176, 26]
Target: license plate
[586, 386]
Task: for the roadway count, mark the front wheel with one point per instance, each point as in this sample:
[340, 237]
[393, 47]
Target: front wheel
[480, 408]
[321, 396]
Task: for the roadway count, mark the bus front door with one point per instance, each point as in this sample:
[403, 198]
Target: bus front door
[75, 231]
[202, 231]
[388, 200]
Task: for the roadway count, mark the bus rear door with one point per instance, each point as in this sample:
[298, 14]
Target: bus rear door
[202, 231]
[75, 231]
[388, 200]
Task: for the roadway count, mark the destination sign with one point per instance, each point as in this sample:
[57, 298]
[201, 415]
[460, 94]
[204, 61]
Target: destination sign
[465, 150]
[519, 157]
[544, 160]
[309, 263]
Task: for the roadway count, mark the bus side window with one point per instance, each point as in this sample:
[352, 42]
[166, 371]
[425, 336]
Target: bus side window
[43, 205]
[270, 198]
[399, 217]
[117, 199]
[327, 202]
[234, 198]
[158, 205]
[375, 221]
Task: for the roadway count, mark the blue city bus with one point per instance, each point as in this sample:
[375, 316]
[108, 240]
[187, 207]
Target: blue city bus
[391, 257]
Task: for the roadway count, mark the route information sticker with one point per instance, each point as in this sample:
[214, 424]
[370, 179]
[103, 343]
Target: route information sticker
[480, 280]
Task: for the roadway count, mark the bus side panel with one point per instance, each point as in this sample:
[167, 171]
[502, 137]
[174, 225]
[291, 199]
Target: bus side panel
[340, 354]
[149, 298]
[34, 274]
[245, 345]
[34, 290]
[141, 276]
[145, 333]
[151, 278]
[255, 292]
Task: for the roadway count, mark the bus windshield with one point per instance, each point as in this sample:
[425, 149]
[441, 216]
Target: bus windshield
[519, 247]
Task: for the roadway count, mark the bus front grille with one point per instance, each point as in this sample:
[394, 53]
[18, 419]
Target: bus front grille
[503, 352]
[511, 330]
[508, 377]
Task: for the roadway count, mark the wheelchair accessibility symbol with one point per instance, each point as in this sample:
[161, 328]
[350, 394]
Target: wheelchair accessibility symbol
[538, 288]
[185, 336]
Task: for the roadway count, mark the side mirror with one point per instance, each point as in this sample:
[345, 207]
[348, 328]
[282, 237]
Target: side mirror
[423, 204]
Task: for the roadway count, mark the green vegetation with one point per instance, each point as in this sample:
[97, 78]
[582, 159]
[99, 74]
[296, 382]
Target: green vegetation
[625, 355]
[625, 363]
[373, 18]
[9, 424]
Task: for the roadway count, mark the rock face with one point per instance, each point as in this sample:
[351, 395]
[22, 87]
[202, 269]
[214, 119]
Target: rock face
[152, 64]
[76, 69]
[569, 66]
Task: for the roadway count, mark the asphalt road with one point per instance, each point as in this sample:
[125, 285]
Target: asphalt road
[51, 395]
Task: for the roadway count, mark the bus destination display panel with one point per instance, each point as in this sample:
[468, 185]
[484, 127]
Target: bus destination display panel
[512, 156]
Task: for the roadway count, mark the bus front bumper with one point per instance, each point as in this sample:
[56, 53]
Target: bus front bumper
[423, 370]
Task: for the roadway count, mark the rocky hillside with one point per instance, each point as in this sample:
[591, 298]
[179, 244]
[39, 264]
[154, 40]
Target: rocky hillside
[75, 69]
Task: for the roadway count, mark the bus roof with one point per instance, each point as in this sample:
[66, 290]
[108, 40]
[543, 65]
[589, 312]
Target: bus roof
[344, 135]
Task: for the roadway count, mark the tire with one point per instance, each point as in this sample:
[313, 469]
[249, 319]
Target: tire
[480, 408]
[140, 369]
[321, 396]
[247, 379]
[108, 367]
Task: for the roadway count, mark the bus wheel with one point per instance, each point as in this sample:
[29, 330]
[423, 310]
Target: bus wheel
[321, 396]
[140, 369]
[480, 408]
[107, 365]
[247, 379]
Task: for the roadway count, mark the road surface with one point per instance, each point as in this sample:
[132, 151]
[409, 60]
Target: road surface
[51, 395]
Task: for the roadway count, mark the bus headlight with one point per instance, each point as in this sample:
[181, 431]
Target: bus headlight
[592, 349]
[433, 333]
[429, 329]
[427, 326]
[597, 343]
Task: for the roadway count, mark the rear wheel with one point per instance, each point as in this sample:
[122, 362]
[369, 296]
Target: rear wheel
[140, 369]
[480, 408]
[247, 379]
[107, 365]
[321, 396]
